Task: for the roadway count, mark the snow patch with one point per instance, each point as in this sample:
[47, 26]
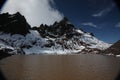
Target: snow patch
[79, 31]
[117, 55]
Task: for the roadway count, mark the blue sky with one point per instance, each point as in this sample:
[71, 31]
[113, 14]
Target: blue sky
[102, 17]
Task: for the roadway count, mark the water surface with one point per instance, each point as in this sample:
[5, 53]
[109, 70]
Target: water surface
[60, 67]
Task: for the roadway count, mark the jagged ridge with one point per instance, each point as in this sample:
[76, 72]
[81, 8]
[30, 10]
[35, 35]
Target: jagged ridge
[61, 37]
[14, 24]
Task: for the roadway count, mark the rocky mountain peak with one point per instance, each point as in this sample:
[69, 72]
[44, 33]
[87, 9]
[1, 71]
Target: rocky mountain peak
[14, 24]
[65, 21]
[63, 27]
[62, 36]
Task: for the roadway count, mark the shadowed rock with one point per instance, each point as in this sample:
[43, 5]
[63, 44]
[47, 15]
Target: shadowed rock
[4, 55]
[114, 49]
[14, 24]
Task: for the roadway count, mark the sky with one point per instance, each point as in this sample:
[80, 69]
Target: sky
[101, 17]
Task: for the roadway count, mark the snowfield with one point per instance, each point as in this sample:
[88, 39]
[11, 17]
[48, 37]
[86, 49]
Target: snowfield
[33, 43]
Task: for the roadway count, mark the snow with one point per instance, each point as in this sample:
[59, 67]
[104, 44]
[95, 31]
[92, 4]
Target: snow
[33, 43]
[68, 22]
[3, 46]
[79, 31]
[19, 40]
[87, 35]
[111, 54]
[94, 42]
[39, 50]
[10, 49]
[118, 55]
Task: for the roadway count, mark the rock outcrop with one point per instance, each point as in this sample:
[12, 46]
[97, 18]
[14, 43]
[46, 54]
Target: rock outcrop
[14, 24]
[113, 50]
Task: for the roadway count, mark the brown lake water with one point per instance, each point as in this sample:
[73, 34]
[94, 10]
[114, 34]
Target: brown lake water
[60, 67]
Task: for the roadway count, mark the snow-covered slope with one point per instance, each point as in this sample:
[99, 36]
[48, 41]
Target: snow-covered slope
[60, 38]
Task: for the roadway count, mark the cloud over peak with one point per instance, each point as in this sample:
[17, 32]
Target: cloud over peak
[35, 11]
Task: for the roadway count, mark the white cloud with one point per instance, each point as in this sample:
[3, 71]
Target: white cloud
[89, 24]
[104, 11]
[35, 11]
[117, 25]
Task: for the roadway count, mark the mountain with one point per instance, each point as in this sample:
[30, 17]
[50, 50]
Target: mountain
[113, 50]
[14, 24]
[60, 38]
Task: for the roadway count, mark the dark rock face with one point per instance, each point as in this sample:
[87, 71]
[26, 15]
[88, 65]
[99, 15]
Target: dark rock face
[58, 29]
[114, 49]
[4, 54]
[90, 51]
[14, 24]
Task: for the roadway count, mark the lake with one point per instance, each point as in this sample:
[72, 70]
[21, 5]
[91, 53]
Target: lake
[60, 67]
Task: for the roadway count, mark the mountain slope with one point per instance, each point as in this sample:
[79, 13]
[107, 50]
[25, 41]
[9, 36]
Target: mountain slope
[60, 38]
[113, 50]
